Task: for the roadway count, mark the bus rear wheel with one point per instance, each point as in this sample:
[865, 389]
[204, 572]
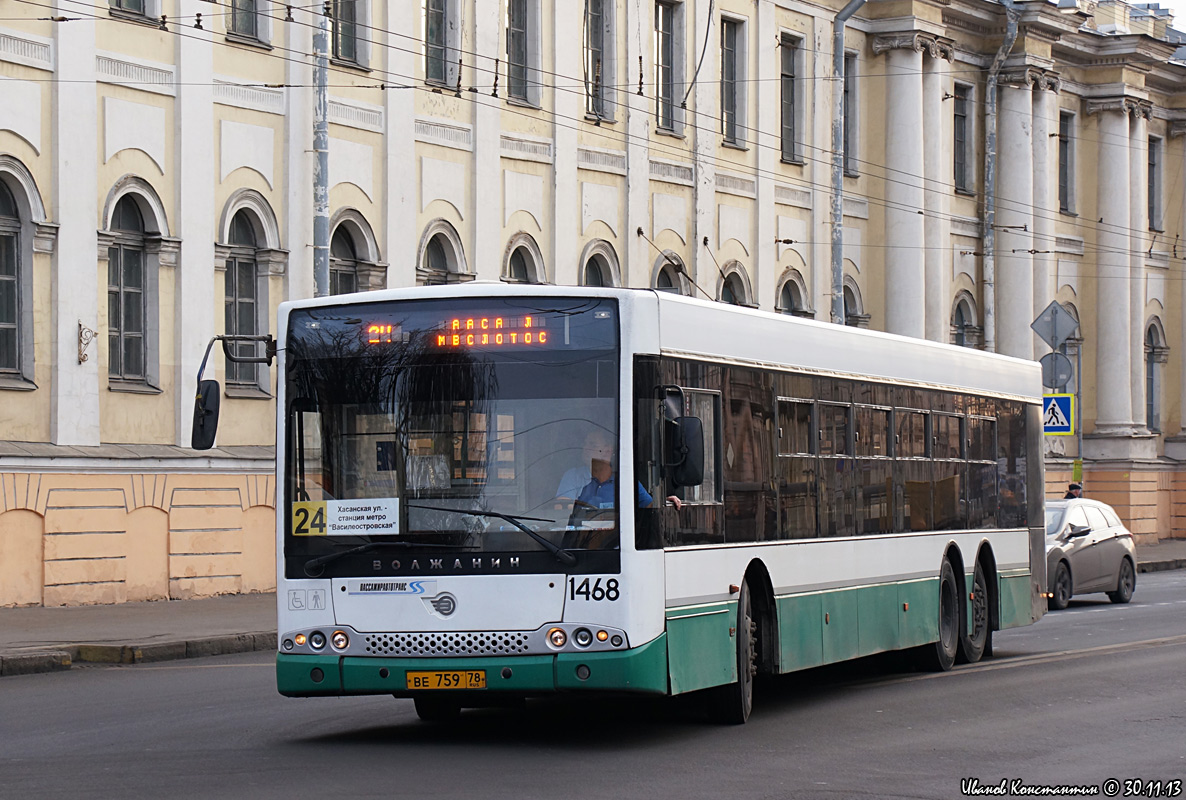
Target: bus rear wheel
[732, 703]
[976, 641]
[940, 656]
[432, 708]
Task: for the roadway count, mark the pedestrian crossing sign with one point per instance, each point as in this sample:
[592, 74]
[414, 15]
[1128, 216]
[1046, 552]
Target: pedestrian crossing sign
[1058, 414]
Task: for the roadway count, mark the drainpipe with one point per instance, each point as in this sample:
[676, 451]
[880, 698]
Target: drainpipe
[838, 158]
[990, 176]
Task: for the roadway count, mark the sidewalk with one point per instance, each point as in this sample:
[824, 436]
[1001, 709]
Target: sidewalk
[47, 639]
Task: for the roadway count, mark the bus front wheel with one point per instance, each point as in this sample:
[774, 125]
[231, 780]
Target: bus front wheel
[731, 704]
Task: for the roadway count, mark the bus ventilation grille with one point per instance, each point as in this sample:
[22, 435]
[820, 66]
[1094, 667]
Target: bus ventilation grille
[449, 644]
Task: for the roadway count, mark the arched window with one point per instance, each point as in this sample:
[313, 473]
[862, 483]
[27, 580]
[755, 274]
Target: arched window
[732, 291]
[10, 287]
[442, 259]
[594, 273]
[852, 308]
[517, 268]
[241, 297]
[126, 284]
[434, 255]
[668, 269]
[1156, 355]
[343, 263]
[525, 263]
[789, 299]
[960, 322]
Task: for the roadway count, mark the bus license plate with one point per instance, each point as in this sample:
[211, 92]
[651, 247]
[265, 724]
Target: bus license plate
[447, 679]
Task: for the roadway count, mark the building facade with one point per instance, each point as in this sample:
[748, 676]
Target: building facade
[685, 146]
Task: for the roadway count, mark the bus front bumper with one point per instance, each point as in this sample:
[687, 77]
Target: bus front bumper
[640, 669]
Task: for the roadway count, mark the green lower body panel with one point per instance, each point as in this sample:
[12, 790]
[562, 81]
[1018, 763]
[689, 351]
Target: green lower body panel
[1016, 608]
[826, 627]
[640, 669]
[701, 646]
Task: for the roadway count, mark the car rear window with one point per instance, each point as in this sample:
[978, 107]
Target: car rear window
[1110, 516]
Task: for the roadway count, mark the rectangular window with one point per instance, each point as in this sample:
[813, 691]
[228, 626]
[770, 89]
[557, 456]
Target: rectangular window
[517, 49]
[1065, 163]
[1155, 184]
[873, 431]
[833, 430]
[243, 18]
[788, 52]
[730, 31]
[850, 108]
[130, 6]
[9, 305]
[125, 312]
[665, 65]
[960, 135]
[240, 296]
[794, 428]
[706, 406]
[435, 45]
[345, 33]
[595, 60]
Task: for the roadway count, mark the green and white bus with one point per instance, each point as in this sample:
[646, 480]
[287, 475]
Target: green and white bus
[451, 525]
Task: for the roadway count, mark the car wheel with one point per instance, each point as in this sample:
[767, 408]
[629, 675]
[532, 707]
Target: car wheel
[940, 656]
[975, 641]
[731, 704]
[1126, 583]
[1061, 593]
[436, 709]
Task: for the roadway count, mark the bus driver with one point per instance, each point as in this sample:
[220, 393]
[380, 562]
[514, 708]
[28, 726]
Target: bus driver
[593, 487]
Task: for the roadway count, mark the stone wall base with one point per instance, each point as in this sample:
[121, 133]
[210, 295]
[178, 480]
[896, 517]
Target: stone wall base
[78, 539]
[1150, 496]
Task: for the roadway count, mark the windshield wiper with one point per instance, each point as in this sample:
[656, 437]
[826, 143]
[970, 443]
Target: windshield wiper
[314, 566]
[562, 555]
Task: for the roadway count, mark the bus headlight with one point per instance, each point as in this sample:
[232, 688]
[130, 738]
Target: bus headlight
[339, 640]
[317, 640]
[557, 637]
[582, 637]
[301, 639]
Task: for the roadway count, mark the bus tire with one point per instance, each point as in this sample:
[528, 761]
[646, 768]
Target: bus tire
[940, 656]
[976, 640]
[432, 708]
[731, 704]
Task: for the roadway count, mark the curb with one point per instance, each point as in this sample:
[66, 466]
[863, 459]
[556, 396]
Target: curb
[1161, 566]
[56, 660]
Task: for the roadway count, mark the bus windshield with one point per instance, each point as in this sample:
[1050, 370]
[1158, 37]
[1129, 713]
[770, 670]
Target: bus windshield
[446, 426]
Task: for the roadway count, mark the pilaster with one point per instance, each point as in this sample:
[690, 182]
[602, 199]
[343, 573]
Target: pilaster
[298, 154]
[703, 125]
[196, 223]
[399, 239]
[569, 103]
[765, 269]
[636, 254]
[74, 395]
[486, 196]
[1045, 196]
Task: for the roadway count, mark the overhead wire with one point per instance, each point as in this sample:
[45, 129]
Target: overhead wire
[671, 150]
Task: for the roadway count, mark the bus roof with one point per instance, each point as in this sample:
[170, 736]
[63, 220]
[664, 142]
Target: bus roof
[695, 328]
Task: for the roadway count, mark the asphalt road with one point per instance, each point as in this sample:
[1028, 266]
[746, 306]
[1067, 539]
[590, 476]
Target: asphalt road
[1092, 693]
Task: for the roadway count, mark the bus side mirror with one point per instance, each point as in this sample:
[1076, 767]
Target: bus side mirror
[205, 415]
[686, 452]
